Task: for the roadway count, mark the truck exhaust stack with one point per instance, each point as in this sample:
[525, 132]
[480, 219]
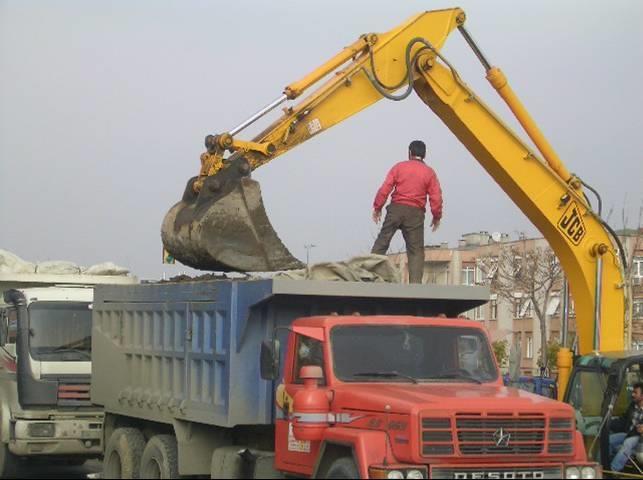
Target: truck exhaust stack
[225, 227]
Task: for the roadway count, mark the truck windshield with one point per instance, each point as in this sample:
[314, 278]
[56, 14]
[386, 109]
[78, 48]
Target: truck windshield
[392, 353]
[60, 332]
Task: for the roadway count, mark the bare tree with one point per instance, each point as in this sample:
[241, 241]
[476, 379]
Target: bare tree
[529, 274]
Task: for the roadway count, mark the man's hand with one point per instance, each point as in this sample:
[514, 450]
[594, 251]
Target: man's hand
[639, 428]
[377, 216]
[435, 224]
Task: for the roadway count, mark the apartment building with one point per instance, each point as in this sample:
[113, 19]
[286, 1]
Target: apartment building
[513, 319]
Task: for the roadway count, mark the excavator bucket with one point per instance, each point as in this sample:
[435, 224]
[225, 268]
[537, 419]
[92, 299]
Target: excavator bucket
[225, 227]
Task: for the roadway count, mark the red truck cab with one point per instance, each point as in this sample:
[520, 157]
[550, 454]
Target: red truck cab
[411, 397]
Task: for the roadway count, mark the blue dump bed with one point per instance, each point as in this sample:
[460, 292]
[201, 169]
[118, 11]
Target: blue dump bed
[190, 351]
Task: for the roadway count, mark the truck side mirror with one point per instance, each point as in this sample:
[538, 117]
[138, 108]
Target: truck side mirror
[270, 360]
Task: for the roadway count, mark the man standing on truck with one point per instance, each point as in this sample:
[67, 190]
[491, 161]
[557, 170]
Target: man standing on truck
[630, 428]
[411, 181]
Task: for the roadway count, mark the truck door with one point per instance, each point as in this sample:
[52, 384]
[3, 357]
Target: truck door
[299, 455]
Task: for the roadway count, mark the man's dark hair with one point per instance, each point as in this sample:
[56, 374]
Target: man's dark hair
[638, 385]
[417, 148]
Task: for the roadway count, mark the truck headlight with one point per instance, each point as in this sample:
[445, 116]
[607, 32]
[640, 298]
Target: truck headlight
[42, 430]
[416, 474]
[588, 472]
[398, 472]
[572, 472]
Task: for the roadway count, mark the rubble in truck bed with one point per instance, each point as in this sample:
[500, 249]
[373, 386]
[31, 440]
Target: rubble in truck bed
[367, 268]
[200, 278]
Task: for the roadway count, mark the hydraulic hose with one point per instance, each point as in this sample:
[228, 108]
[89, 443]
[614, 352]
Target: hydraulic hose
[598, 197]
[408, 78]
[606, 225]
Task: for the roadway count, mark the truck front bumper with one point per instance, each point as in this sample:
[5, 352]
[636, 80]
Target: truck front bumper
[74, 437]
[478, 472]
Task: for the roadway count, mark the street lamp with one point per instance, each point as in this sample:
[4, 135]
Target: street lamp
[308, 247]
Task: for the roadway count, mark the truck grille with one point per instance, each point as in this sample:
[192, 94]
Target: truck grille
[437, 437]
[561, 436]
[497, 433]
[500, 434]
[530, 472]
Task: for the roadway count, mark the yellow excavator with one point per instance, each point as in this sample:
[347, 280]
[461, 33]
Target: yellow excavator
[221, 223]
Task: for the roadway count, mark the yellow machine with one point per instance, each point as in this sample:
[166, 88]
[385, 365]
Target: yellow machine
[221, 222]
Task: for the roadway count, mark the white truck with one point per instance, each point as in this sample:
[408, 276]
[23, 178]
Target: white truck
[45, 371]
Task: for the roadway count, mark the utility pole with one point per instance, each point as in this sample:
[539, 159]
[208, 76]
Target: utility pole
[308, 247]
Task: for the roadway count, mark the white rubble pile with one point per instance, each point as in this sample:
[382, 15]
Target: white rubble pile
[10, 263]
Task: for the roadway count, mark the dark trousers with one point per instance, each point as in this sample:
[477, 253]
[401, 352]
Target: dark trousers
[411, 221]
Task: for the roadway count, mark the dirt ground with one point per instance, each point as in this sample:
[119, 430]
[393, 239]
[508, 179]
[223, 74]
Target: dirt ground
[91, 469]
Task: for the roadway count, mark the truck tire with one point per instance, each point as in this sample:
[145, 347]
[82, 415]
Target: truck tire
[8, 462]
[226, 462]
[160, 458]
[343, 468]
[123, 454]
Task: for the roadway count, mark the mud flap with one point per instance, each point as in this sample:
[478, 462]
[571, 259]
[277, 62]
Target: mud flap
[225, 228]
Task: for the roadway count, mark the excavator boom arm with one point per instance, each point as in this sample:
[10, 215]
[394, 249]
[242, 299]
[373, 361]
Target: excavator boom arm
[408, 58]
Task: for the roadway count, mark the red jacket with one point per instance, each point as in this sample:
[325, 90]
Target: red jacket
[413, 180]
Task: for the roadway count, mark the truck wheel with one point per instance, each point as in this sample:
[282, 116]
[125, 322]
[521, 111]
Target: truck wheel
[8, 462]
[343, 468]
[160, 458]
[123, 454]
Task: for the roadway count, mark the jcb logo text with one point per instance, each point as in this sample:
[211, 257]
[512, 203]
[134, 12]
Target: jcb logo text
[572, 225]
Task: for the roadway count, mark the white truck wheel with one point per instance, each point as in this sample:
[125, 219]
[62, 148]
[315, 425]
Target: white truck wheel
[123, 454]
[160, 458]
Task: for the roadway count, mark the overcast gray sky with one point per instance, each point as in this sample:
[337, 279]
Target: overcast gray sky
[104, 107]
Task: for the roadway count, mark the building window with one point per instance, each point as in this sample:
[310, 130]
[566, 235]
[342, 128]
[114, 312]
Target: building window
[637, 309]
[479, 275]
[517, 266]
[436, 273]
[530, 346]
[637, 271]
[493, 269]
[553, 306]
[478, 313]
[526, 309]
[468, 275]
[517, 304]
[493, 310]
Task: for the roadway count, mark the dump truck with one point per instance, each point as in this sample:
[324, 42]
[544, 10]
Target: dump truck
[373, 380]
[45, 362]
